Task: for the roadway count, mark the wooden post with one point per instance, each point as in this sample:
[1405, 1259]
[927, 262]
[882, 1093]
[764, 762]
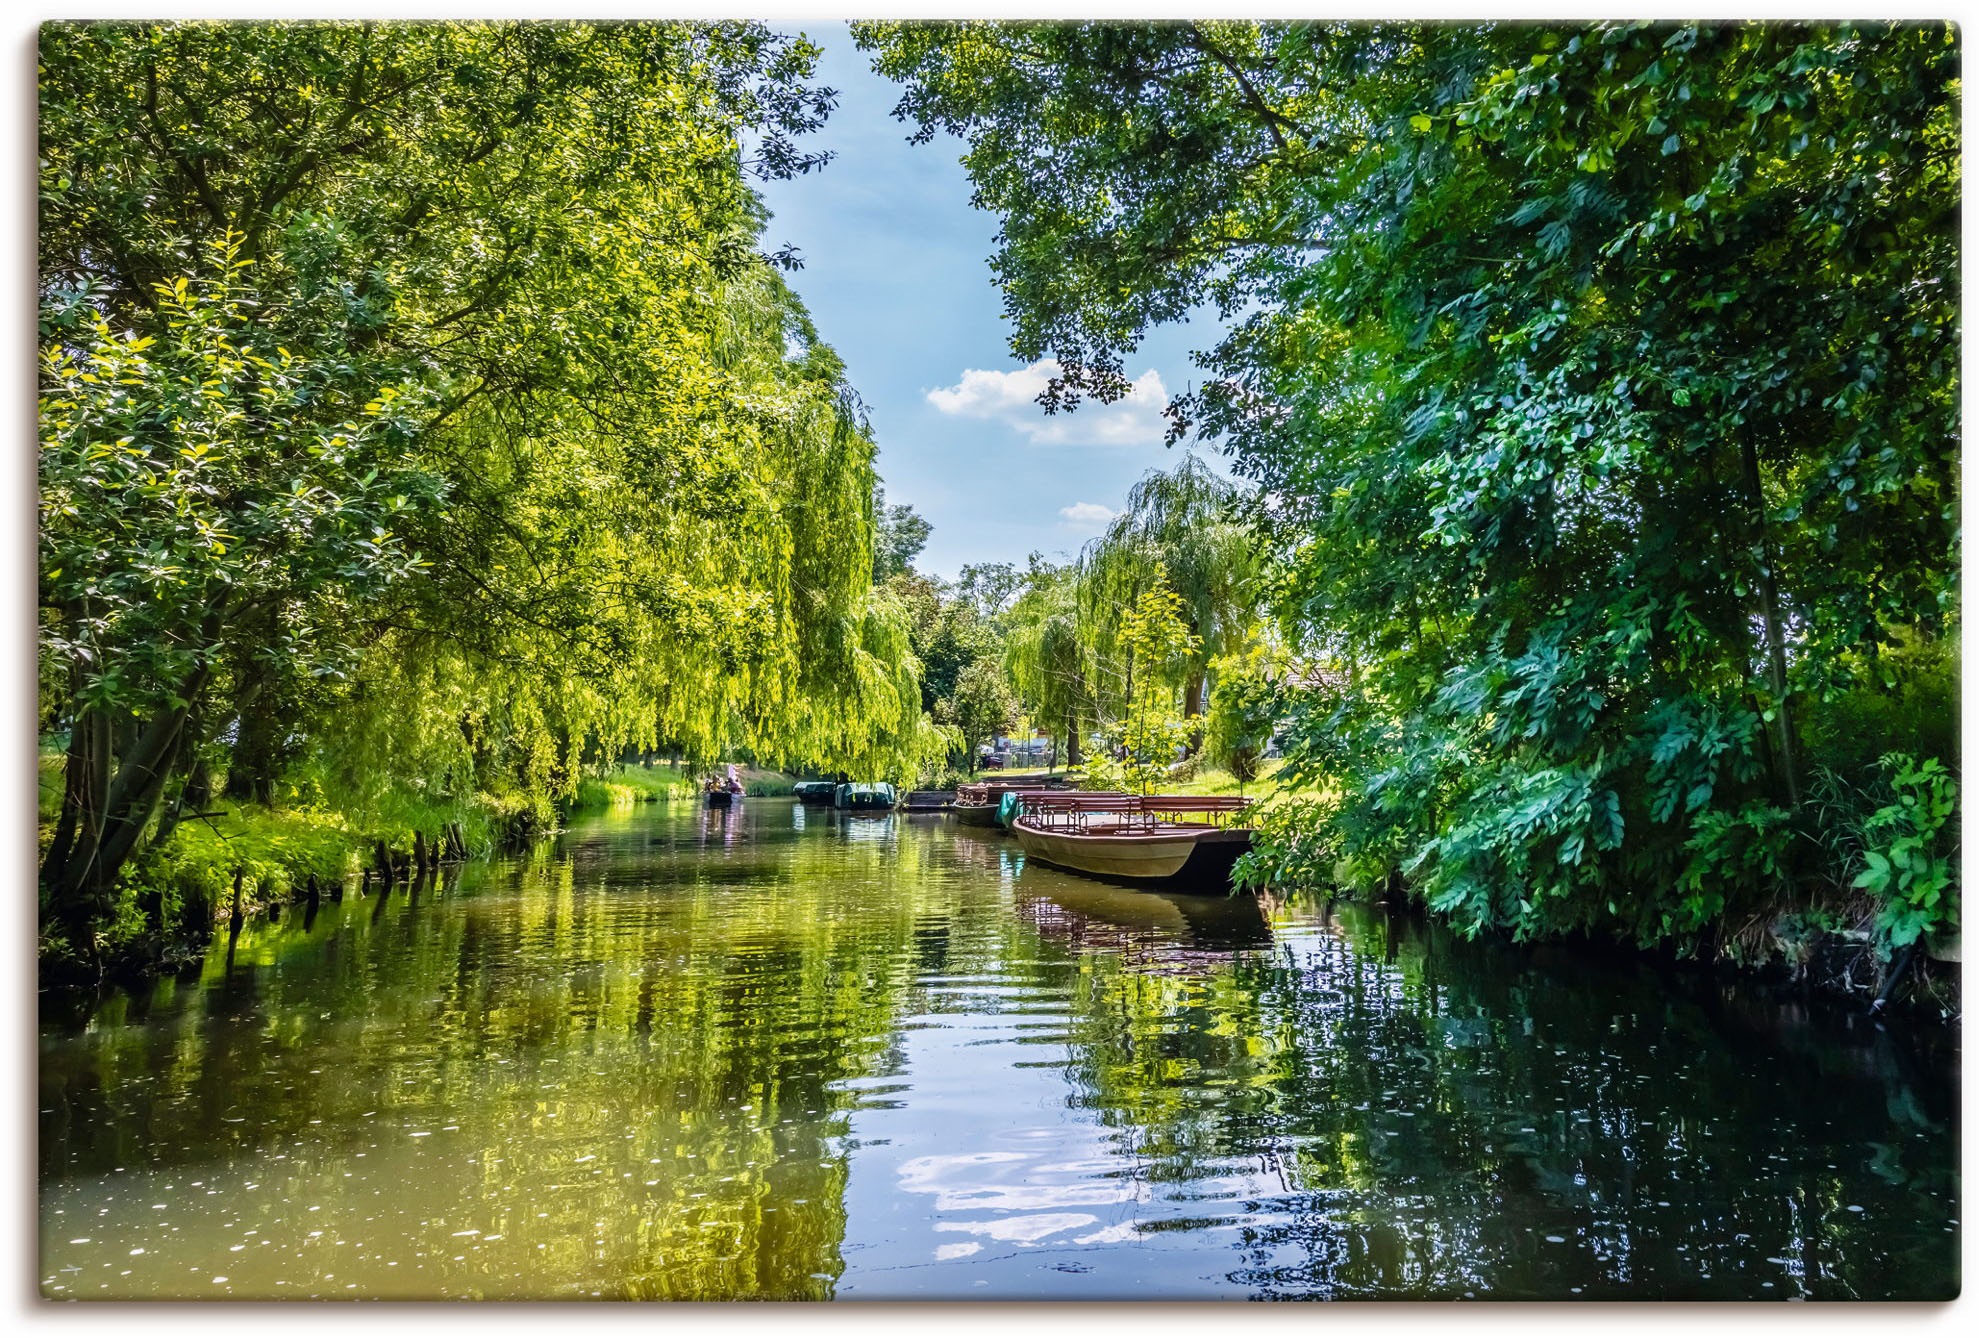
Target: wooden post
[419, 851]
[235, 919]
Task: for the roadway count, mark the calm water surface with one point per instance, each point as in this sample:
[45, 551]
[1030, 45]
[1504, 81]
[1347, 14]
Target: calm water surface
[785, 1053]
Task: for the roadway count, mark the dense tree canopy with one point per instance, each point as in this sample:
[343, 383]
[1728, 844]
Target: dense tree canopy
[1601, 381]
[420, 413]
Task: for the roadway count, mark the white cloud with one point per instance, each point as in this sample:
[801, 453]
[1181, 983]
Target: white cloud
[1010, 398]
[1087, 515]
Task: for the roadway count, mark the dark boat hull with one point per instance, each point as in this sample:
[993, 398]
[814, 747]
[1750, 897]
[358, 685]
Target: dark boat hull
[977, 815]
[877, 797]
[720, 799]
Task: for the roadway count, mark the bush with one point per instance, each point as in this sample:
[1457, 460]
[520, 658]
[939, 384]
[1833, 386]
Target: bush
[1909, 852]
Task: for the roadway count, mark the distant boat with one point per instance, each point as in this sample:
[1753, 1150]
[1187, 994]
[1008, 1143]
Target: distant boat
[979, 803]
[722, 798]
[1178, 842]
[815, 792]
[865, 797]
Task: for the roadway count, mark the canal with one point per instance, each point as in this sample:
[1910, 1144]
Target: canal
[786, 1053]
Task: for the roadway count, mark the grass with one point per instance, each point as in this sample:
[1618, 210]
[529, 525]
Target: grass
[667, 782]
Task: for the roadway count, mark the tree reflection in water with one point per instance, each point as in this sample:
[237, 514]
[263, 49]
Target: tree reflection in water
[779, 1053]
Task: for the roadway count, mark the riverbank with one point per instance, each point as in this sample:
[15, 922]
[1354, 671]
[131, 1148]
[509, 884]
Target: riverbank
[668, 782]
[246, 858]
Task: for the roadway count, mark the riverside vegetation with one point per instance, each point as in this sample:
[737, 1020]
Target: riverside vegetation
[428, 433]
[1599, 385]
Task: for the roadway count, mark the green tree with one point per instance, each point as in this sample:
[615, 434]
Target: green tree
[1160, 648]
[982, 707]
[900, 534]
[636, 483]
[1048, 657]
[1183, 529]
[1602, 380]
[189, 482]
[1244, 709]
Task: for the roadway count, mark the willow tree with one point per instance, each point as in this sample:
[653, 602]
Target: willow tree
[1048, 658]
[514, 443]
[1182, 529]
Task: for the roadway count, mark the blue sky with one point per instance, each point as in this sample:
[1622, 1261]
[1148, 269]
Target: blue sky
[896, 274]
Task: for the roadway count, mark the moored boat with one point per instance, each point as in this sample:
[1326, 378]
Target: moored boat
[1180, 842]
[815, 791]
[865, 797]
[981, 803]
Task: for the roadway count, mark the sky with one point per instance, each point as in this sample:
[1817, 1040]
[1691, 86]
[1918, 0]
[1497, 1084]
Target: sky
[896, 275]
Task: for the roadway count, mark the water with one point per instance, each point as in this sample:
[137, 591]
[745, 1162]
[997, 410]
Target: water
[786, 1053]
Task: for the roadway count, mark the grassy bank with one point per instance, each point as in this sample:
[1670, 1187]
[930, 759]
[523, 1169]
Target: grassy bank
[667, 782]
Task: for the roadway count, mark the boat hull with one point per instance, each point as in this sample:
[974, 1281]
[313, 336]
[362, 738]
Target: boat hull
[720, 799]
[977, 815]
[863, 797]
[1187, 859]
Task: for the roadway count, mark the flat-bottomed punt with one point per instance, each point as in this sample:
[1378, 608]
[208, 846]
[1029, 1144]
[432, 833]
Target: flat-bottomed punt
[980, 803]
[1177, 842]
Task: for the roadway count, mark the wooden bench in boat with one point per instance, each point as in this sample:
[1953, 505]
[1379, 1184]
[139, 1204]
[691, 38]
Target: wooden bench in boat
[1095, 813]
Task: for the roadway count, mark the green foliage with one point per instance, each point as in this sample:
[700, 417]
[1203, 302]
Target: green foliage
[1159, 648]
[1294, 845]
[982, 707]
[1182, 530]
[326, 307]
[1244, 707]
[1602, 380]
[1910, 852]
[899, 535]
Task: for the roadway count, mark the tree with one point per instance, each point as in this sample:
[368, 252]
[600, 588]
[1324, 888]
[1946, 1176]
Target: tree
[1048, 657]
[899, 536]
[1181, 528]
[1600, 377]
[982, 707]
[1244, 709]
[990, 586]
[1159, 646]
[190, 484]
[487, 301]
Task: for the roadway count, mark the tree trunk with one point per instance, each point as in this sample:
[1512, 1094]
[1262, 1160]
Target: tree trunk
[1788, 774]
[1074, 754]
[105, 812]
[1192, 709]
[251, 770]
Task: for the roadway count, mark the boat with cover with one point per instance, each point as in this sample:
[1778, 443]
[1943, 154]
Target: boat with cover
[1179, 842]
[865, 797]
[815, 791]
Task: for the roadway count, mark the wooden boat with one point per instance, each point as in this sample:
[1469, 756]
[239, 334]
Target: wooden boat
[815, 791]
[980, 803]
[1181, 842]
[721, 798]
[865, 797]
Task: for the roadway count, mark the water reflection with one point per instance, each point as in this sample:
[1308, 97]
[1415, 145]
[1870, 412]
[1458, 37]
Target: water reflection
[772, 1052]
